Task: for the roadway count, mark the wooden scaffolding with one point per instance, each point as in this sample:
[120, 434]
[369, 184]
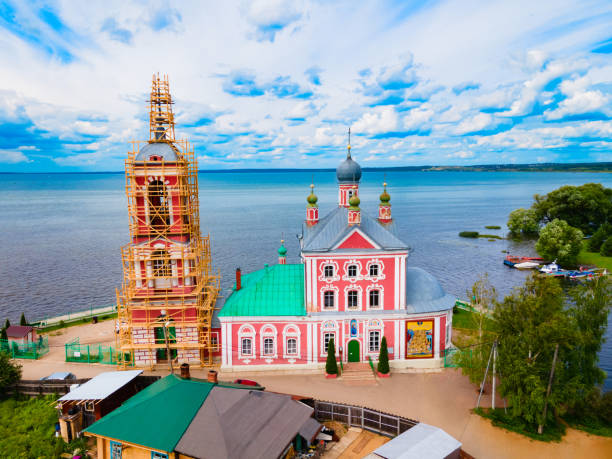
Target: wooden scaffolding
[176, 278]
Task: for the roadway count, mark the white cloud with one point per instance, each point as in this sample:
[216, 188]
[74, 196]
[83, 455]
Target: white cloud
[417, 118]
[87, 127]
[13, 157]
[478, 122]
[579, 100]
[382, 119]
[461, 154]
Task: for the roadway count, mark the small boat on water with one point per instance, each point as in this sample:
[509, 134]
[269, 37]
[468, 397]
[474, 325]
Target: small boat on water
[513, 261]
[553, 269]
[526, 265]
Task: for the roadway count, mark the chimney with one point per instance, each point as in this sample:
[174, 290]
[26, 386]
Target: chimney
[185, 371]
[238, 279]
[212, 376]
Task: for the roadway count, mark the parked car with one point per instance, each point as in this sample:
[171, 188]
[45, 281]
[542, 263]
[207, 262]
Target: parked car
[246, 382]
[59, 375]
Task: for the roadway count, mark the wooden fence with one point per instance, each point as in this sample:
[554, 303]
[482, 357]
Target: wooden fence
[62, 387]
[366, 418]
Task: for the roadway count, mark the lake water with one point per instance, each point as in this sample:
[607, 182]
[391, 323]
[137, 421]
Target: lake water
[60, 233]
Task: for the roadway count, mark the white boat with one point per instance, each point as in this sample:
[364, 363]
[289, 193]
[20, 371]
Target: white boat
[526, 265]
[552, 269]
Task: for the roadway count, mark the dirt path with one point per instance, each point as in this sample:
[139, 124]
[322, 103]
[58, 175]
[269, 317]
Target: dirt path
[443, 399]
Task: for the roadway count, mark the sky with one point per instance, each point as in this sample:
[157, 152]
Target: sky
[277, 84]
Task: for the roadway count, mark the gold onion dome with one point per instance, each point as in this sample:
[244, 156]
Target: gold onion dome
[385, 197]
[312, 198]
[354, 202]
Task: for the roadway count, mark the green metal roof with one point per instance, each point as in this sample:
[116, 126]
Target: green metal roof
[157, 416]
[276, 290]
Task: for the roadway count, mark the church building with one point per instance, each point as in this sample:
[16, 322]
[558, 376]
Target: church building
[353, 285]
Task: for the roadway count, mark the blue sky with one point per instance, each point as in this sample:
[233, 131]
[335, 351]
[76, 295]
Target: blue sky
[275, 83]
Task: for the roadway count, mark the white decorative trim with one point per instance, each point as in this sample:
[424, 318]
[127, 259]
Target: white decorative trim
[353, 288]
[381, 297]
[369, 326]
[335, 277]
[268, 331]
[292, 331]
[381, 275]
[246, 331]
[329, 326]
[328, 288]
[358, 277]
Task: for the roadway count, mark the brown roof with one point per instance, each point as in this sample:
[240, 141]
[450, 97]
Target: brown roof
[18, 331]
[243, 424]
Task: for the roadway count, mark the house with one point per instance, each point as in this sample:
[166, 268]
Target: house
[180, 417]
[21, 334]
[420, 442]
[352, 286]
[90, 401]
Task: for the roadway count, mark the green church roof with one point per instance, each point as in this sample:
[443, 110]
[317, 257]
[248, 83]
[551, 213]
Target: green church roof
[172, 400]
[276, 290]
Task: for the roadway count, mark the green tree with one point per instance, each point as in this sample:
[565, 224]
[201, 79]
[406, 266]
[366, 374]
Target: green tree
[7, 324]
[531, 322]
[523, 222]
[474, 357]
[606, 248]
[559, 241]
[10, 372]
[585, 207]
[383, 357]
[599, 237]
[23, 320]
[331, 366]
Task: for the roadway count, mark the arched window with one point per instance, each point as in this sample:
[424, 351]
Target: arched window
[291, 336]
[246, 340]
[329, 299]
[268, 342]
[158, 204]
[353, 299]
[328, 271]
[352, 271]
[374, 298]
[291, 346]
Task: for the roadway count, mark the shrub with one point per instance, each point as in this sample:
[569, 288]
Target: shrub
[383, 357]
[472, 234]
[10, 372]
[523, 222]
[331, 366]
[559, 241]
[599, 237]
[606, 248]
[492, 227]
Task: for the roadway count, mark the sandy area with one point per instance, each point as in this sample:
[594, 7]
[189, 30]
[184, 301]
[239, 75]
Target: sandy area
[443, 399]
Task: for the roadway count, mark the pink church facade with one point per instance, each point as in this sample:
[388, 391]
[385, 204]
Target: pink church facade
[353, 285]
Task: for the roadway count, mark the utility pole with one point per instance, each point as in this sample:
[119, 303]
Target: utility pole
[494, 359]
[485, 378]
[550, 379]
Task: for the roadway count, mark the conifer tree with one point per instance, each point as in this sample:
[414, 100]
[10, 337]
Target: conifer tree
[3, 335]
[383, 357]
[7, 324]
[331, 366]
[23, 320]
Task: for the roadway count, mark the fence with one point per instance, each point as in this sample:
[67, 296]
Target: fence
[26, 350]
[82, 315]
[42, 387]
[450, 358]
[358, 416]
[92, 353]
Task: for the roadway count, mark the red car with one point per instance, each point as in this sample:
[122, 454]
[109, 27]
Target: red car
[246, 382]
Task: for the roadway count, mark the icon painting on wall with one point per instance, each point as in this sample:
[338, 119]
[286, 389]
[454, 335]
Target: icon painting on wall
[419, 339]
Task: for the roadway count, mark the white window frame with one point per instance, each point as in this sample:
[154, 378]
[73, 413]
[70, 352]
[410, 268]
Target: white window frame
[372, 266]
[353, 262]
[370, 334]
[214, 341]
[247, 331]
[373, 325]
[291, 331]
[334, 265]
[268, 331]
[353, 288]
[381, 270]
[381, 297]
[325, 344]
[348, 271]
[352, 300]
[331, 327]
[334, 290]
[326, 268]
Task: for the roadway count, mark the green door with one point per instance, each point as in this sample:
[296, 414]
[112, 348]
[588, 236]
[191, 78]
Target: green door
[353, 351]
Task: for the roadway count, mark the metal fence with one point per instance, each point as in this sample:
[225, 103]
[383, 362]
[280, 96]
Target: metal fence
[92, 353]
[32, 351]
[450, 358]
[75, 316]
[366, 418]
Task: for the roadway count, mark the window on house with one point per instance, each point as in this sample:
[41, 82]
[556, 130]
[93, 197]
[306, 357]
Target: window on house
[329, 300]
[326, 339]
[353, 299]
[115, 450]
[268, 346]
[373, 270]
[158, 204]
[352, 271]
[214, 341]
[247, 346]
[328, 271]
[374, 298]
[156, 455]
[292, 346]
[374, 341]
[161, 264]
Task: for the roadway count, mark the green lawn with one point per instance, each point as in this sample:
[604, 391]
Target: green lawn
[593, 258]
[464, 319]
[27, 429]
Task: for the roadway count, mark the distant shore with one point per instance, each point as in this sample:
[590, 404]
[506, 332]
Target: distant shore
[536, 167]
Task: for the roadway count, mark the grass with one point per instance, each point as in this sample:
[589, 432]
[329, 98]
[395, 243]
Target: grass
[85, 320]
[593, 258]
[27, 429]
[552, 432]
[490, 236]
[592, 426]
[466, 320]
[475, 234]
[492, 227]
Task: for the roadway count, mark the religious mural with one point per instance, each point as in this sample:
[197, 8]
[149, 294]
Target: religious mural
[419, 339]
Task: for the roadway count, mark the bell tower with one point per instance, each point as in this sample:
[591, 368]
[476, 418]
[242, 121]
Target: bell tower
[348, 174]
[168, 291]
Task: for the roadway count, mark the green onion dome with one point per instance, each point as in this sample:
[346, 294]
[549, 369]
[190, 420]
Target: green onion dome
[354, 202]
[385, 197]
[312, 198]
[282, 251]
